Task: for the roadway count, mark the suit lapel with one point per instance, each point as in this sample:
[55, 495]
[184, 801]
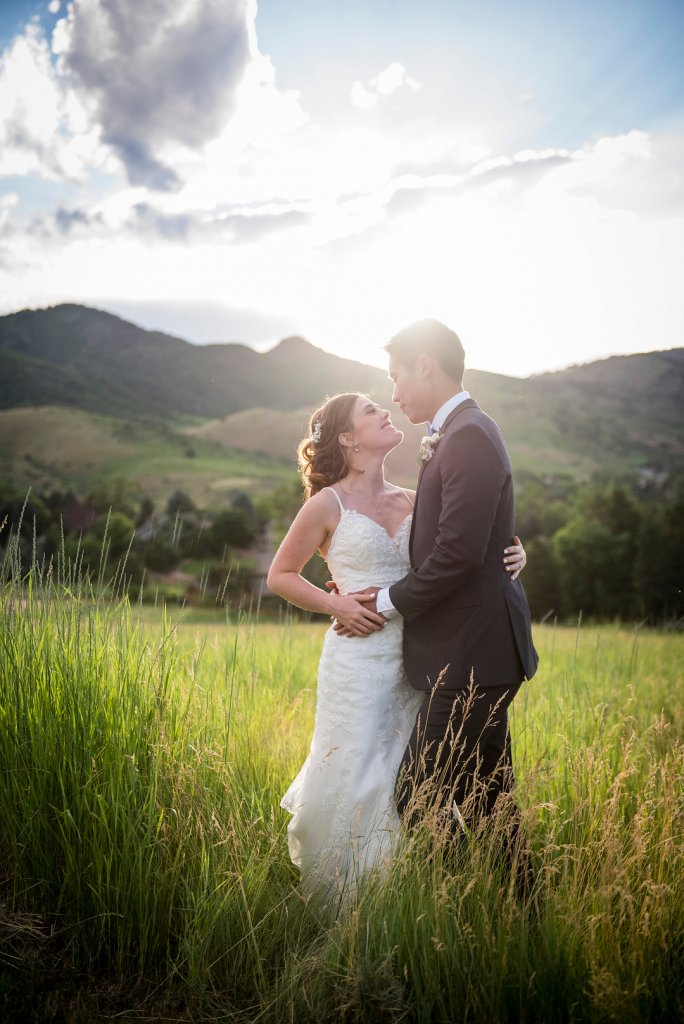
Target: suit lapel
[469, 403]
[415, 507]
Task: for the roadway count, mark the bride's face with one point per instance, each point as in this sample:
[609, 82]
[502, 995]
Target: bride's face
[372, 428]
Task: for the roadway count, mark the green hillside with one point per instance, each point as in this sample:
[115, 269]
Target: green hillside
[54, 448]
[85, 395]
[617, 416]
[74, 356]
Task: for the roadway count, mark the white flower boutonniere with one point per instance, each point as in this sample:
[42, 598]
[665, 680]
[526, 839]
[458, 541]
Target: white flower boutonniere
[427, 447]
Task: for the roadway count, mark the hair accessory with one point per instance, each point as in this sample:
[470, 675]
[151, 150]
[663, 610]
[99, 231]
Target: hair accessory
[316, 432]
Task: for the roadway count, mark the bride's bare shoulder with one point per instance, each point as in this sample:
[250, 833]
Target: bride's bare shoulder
[324, 503]
[325, 514]
[411, 495]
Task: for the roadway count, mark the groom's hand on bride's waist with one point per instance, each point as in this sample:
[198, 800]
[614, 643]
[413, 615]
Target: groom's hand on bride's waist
[372, 592]
[369, 596]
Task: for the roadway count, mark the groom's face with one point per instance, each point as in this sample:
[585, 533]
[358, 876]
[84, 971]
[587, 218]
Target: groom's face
[412, 391]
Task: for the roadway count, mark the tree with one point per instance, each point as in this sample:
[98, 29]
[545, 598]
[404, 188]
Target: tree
[180, 503]
[116, 494]
[118, 530]
[145, 511]
[242, 502]
[23, 506]
[230, 527]
[283, 504]
[615, 508]
[541, 507]
[541, 579]
[161, 555]
[595, 569]
[659, 568]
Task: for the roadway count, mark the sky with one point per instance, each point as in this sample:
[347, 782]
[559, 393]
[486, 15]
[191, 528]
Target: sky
[228, 172]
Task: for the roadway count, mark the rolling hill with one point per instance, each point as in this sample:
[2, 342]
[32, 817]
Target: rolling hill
[74, 356]
[85, 395]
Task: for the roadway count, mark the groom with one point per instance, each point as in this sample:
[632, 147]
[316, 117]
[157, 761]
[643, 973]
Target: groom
[467, 632]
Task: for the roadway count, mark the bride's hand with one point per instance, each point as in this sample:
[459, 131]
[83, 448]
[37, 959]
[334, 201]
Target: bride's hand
[351, 611]
[515, 559]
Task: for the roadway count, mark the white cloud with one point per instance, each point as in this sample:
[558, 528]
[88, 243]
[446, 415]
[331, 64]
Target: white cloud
[263, 113]
[394, 76]
[531, 256]
[54, 6]
[156, 75]
[183, 113]
[362, 97]
[634, 171]
[8, 202]
[41, 125]
[141, 219]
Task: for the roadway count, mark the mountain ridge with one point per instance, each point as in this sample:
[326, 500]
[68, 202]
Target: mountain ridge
[618, 415]
[160, 372]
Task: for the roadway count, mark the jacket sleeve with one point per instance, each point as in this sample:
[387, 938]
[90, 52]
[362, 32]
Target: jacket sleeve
[472, 478]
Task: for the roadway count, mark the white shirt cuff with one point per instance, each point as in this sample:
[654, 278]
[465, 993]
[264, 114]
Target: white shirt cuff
[384, 604]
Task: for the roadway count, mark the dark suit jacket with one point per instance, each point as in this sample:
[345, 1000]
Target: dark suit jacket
[460, 607]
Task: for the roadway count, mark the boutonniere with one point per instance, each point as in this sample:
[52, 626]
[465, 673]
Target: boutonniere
[427, 447]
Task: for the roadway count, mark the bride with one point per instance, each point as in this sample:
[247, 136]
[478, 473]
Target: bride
[344, 818]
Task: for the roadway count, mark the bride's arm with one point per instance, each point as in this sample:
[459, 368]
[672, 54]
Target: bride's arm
[309, 531]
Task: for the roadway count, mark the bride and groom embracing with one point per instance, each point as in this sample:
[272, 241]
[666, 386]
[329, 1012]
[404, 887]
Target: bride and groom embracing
[431, 635]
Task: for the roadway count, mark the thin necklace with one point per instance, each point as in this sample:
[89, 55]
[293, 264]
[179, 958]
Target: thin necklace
[349, 494]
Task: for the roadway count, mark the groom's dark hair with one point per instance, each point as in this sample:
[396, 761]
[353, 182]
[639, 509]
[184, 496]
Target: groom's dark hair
[433, 338]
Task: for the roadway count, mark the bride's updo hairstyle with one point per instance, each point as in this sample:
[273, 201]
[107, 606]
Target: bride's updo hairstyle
[322, 459]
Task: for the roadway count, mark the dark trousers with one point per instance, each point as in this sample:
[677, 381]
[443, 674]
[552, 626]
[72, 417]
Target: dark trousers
[460, 750]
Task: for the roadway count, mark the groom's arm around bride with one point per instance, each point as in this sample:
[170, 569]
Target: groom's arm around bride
[460, 609]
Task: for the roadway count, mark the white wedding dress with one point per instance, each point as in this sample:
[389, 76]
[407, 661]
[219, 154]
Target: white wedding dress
[344, 819]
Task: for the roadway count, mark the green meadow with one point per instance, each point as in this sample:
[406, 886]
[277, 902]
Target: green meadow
[145, 873]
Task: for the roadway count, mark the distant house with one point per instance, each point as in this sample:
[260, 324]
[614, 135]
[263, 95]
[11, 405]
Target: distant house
[146, 530]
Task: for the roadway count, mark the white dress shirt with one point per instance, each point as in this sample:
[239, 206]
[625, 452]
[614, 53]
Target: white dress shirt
[383, 602]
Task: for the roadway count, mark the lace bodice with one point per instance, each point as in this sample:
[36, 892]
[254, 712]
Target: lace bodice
[362, 553]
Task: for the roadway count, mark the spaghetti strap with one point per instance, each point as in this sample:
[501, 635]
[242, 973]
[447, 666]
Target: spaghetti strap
[339, 500]
[407, 497]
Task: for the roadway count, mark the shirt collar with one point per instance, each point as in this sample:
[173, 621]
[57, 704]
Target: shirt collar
[444, 411]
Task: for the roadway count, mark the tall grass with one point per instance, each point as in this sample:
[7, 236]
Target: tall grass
[141, 765]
